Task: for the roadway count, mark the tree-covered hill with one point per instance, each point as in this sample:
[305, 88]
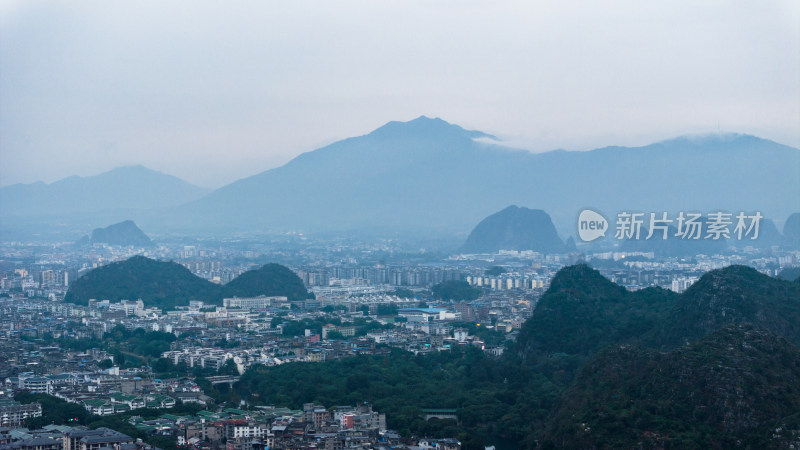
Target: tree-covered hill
[583, 311]
[157, 283]
[589, 370]
[790, 274]
[732, 389]
[271, 279]
[168, 284]
[733, 295]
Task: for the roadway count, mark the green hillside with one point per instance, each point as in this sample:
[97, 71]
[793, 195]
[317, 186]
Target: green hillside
[168, 284]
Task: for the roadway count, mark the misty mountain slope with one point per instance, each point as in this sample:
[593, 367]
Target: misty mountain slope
[515, 228]
[428, 173]
[123, 188]
[123, 233]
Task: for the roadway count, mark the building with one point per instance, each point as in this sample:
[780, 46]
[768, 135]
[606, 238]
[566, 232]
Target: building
[255, 303]
[16, 414]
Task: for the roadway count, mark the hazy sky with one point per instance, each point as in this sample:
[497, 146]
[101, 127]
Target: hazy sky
[214, 91]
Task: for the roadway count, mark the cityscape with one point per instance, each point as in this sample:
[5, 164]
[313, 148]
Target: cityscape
[403, 225]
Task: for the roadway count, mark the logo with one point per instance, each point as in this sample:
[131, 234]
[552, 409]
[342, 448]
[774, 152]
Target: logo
[591, 225]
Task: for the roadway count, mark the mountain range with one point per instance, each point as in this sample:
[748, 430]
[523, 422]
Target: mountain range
[428, 174]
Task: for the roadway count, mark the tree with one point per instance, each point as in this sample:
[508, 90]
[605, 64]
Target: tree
[455, 290]
[495, 270]
[229, 368]
[334, 335]
[105, 364]
[387, 309]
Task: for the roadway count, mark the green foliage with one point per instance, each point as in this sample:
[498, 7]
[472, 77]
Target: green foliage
[628, 397]
[157, 283]
[54, 410]
[105, 364]
[790, 274]
[583, 312]
[403, 293]
[455, 290]
[733, 295]
[399, 384]
[387, 309]
[491, 336]
[168, 284]
[147, 344]
[332, 308]
[494, 271]
[730, 387]
[229, 368]
[334, 335]
[270, 279]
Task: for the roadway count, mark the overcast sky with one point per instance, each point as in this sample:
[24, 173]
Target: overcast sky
[214, 91]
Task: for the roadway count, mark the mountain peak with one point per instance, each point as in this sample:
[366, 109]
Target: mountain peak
[123, 233]
[426, 128]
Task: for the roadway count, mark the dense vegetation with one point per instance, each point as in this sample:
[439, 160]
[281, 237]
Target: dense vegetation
[790, 273]
[495, 270]
[60, 412]
[589, 370]
[399, 384]
[583, 312]
[168, 284]
[157, 283]
[734, 388]
[455, 290]
[270, 279]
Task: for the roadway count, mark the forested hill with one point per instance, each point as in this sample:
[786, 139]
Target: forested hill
[738, 387]
[582, 311]
[270, 279]
[595, 367]
[168, 284]
[158, 283]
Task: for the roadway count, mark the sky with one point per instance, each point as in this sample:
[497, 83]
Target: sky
[215, 91]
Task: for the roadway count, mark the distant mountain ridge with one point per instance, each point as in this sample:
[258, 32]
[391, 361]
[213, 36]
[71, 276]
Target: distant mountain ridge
[166, 284]
[429, 174]
[432, 176]
[123, 188]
